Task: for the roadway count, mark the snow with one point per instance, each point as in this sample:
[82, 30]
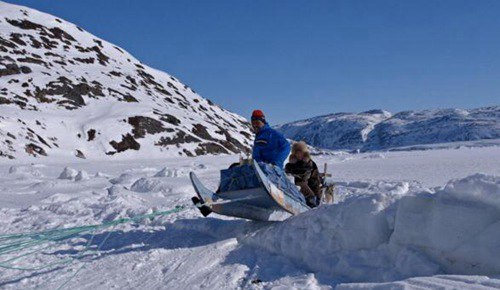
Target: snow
[68, 173]
[381, 130]
[381, 237]
[393, 225]
[425, 216]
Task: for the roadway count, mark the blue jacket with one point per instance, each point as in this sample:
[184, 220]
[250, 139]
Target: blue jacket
[270, 147]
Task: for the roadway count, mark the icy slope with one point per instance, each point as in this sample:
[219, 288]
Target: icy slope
[65, 92]
[375, 130]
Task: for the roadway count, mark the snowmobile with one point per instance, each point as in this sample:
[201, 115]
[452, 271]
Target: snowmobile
[251, 190]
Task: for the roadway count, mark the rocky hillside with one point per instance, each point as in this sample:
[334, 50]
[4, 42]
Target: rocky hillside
[376, 129]
[65, 92]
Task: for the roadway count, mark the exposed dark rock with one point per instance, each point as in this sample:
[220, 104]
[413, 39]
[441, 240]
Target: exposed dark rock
[130, 99]
[85, 60]
[80, 154]
[61, 34]
[33, 149]
[103, 59]
[128, 142]
[117, 48]
[145, 125]
[131, 80]
[6, 43]
[123, 97]
[25, 69]
[32, 60]
[25, 24]
[10, 69]
[91, 134]
[50, 44]
[98, 42]
[71, 92]
[5, 101]
[210, 148]
[132, 88]
[179, 138]
[171, 85]
[246, 134]
[42, 140]
[16, 38]
[201, 131]
[115, 73]
[170, 119]
[2, 154]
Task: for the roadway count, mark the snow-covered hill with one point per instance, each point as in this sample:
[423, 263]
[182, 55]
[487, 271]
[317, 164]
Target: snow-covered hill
[65, 92]
[335, 131]
[377, 129]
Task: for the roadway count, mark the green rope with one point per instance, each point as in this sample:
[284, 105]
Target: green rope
[18, 242]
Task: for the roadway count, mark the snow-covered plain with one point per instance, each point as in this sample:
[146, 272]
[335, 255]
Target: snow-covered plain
[398, 223]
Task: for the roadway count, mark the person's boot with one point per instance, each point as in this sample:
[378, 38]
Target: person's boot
[205, 210]
[311, 201]
[318, 200]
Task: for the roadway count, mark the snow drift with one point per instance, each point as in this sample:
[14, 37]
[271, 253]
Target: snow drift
[65, 92]
[387, 237]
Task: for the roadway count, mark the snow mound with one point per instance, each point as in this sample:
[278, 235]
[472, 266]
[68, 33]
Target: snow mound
[167, 172]
[124, 178]
[476, 188]
[99, 174]
[345, 190]
[458, 227]
[150, 185]
[25, 170]
[387, 237]
[68, 173]
[82, 175]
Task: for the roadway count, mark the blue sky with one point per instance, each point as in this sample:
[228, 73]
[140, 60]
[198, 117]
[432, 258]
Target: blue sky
[297, 59]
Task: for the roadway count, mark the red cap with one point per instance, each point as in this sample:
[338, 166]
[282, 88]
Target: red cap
[257, 114]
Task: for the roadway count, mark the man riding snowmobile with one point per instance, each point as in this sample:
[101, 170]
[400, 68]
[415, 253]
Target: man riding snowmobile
[269, 146]
[306, 173]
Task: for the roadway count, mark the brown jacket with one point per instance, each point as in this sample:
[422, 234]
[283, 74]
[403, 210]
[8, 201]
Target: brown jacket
[305, 170]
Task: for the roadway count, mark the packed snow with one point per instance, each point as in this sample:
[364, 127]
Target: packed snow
[393, 225]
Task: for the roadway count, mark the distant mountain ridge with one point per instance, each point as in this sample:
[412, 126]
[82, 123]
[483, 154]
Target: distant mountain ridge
[65, 92]
[379, 129]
